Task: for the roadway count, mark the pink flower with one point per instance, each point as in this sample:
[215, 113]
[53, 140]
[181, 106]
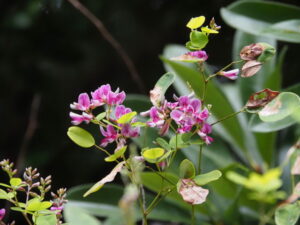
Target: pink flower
[231, 74]
[2, 213]
[110, 135]
[206, 129]
[199, 54]
[78, 119]
[128, 131]
[104, 95]
[83, 103]
[57, 208]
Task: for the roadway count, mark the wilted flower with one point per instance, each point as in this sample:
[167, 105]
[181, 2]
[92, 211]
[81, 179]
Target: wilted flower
[250, 68]
[251, 52]
[231, 74]
[191, 192]
[261, 98]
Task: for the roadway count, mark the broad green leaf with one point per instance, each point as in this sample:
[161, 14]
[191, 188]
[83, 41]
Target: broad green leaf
[157, 95]
[153, 153]
[108, 178]
[78, 216]
[15, 181]
[249, 16]
[206, 178]
[36, 205]
[284, 105]
[46, 220]
[126, 118]
[257, 125]
[287, 214]
[81, 137]
[116, 155]
[187, 169]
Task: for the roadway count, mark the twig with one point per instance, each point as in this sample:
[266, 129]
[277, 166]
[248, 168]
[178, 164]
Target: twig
[114, 43]
[31, 127]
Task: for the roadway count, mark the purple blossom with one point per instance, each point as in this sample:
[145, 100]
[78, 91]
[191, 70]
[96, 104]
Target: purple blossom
[126, 129]
[231, 74]
[199, 54]
[206, 129]
[110, 135]
[2, 213]
[104, 95]
[57, 208]
[83, 103]
[78, 119]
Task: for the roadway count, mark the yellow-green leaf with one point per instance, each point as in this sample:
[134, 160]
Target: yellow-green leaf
[15, 181]
[209, 31]
[196, 22]
[81, 137]
[116, 155]
[153, 153]
[126, 118]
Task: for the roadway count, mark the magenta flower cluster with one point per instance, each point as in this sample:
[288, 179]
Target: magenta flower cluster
[187, 112]
[113, 100]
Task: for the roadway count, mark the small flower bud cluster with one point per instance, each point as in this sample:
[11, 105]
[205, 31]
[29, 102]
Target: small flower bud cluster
[59, 200]
[8, 167]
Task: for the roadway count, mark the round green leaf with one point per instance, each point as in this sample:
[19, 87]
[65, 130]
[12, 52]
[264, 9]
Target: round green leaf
[153, 153]
[187, 169]
[284, 105]
[15, 181]
[81, 137]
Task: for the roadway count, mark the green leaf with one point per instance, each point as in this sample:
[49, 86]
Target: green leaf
[280, 23]
[284, 105]
[116, 155]
[180, 142]
[257, 125]
[206, 178]
[157, 95]
[35, 205]
[81, 137]
[126, 118]
[198, 40]
[15, 181]
[164, 144]
[78, 216]
[153, 154]
[4, 195]
[101, 116]
[288, 214]
[187, 169]
[18, 209]
[46, 220]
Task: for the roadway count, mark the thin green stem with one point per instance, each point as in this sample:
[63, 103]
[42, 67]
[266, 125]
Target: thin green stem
[228, 116]
[176, 149]
[200, 159]
[193, 220]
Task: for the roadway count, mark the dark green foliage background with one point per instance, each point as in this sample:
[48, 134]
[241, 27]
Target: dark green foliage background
[47, 47]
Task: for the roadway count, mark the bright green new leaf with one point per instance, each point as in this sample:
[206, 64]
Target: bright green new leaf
[153, 153]
[284, 105]
[126, 118]
[46, 220]
[187, 169]
[36, 205]
[287, 214]
[196, 22]
[157, 95]
[81, 137]
[116, 155]
[206, 178]
[198, 40]
[15, 181]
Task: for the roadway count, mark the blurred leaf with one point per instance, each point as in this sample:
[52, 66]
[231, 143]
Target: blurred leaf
[15, 181]
[157, 95]
[294, 88]
[101, 116]
[187, 169]
[46, 220]
[81, 137]
[271, 19]
[206, 178]
[77, 216]
[288, 214]
[257, 125]
[36, 205]
[138, 103]
[286, 104]
[163, 143]
[120, 152]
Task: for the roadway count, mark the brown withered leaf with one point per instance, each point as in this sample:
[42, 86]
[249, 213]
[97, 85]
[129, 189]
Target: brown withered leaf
[250, 68]
[191, 193]
[261, 98]
[251, 52]
[296, 167]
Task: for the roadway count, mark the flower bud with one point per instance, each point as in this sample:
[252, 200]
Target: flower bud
[250, 68]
